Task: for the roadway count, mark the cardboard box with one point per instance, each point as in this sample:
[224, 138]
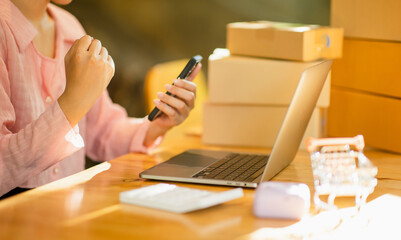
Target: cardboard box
[248, 80]
[371, 66]
[250, 125]
[377, 118]
[284, 40]
[370, 19]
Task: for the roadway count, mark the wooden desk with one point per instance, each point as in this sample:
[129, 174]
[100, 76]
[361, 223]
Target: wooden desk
[86, 205]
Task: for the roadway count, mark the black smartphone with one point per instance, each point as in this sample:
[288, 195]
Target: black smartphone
[186, 72]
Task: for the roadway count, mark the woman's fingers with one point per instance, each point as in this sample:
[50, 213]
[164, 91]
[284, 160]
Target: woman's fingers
[85, 42]
[177, 106]
[104, 54]
[165, 108]
[95, 47]
[195, 72]
[111, 62]
[174, 102]
[183, 90]
[184, 84]
[182, 99]
[79, 46]
[89, 69]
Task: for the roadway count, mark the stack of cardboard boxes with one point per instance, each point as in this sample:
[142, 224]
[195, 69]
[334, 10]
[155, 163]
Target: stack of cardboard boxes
[366, 82]
[252, 82]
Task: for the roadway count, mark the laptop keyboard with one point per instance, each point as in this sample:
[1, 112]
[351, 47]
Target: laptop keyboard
[235, 167]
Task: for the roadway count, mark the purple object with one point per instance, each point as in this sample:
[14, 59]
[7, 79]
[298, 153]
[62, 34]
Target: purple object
[285, 200]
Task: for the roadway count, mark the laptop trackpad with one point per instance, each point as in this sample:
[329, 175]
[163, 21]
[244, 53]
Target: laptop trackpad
[191, 160]
[185, 164]
[197, 158]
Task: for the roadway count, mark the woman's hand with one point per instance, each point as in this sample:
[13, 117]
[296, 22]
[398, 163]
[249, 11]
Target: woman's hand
[89, 69]
[175, 108]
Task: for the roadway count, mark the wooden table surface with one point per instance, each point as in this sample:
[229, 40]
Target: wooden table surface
[86, 205]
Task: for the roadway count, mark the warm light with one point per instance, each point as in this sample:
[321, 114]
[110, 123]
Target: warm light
[379, 219]
[76, 178]
[74, 200]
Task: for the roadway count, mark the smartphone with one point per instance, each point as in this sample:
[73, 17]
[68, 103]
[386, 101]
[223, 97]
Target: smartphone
[186, 72]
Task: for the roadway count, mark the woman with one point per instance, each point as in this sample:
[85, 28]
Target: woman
[54, 108]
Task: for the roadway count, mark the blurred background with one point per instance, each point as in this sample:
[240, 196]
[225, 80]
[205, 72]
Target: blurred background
[142, 33]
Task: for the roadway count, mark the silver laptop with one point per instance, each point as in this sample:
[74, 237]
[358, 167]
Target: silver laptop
[245, 169]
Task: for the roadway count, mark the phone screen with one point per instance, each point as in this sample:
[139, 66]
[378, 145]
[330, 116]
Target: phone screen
[185, 73]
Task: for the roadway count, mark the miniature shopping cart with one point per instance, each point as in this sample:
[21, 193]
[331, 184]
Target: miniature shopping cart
[340, 169]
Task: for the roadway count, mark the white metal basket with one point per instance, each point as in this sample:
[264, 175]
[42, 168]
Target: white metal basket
[340, 169]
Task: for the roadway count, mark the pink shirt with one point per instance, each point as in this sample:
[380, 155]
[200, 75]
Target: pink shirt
[37, 143]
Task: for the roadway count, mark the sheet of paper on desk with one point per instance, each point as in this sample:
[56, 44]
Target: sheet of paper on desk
[380, 219]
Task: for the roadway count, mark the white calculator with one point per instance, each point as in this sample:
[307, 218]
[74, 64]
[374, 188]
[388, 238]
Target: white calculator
[172, 198]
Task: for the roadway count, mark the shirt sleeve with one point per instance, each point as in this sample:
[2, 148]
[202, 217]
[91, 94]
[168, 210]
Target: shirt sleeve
[36, 147]
[111, 133]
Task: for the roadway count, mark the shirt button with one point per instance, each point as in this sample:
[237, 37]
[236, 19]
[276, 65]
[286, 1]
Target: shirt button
[55, 170]
[48, 99]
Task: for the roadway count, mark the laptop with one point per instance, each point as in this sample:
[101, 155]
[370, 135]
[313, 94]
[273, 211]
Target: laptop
[246, 169]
